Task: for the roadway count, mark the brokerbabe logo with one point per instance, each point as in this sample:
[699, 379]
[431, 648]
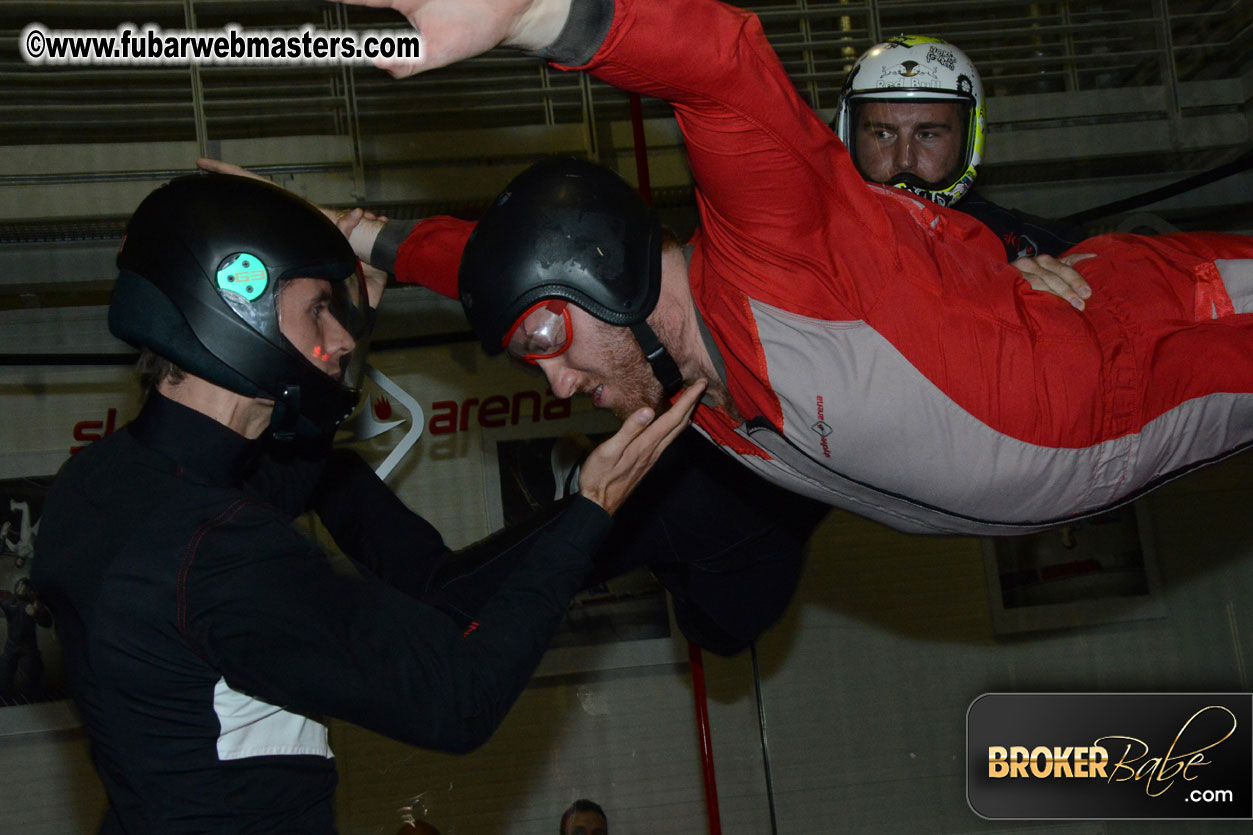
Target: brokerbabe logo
[1110, 755]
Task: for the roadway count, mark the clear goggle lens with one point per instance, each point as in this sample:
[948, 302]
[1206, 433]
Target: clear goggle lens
[543, 331]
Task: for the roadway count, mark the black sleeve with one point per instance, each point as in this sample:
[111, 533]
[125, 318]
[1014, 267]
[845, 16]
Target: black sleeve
[368, 522]
[387, 244]
[728, 545]
[466, 580]
[286, 473]
[1022, 234]
[373, 527]
[585, 30]
[271, 613]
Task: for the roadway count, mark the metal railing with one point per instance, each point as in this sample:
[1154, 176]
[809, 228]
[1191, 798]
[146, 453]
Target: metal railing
[1023, 49]
[1020, 47]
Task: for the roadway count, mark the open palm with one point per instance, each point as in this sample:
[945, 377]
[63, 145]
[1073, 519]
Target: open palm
[453, 30]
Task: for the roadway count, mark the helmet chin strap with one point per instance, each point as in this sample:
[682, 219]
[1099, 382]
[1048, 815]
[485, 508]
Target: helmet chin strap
[664, 367]
[934, 191]
[286, 414]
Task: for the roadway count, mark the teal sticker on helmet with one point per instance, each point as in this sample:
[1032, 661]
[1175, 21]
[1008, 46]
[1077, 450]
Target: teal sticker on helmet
[243, 273]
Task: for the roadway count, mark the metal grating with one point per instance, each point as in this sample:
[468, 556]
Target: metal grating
[1020, 47]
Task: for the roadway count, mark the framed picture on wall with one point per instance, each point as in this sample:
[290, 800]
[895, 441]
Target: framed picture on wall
[624, 622]
[33, 692]
[1099, 570]
[53, 409]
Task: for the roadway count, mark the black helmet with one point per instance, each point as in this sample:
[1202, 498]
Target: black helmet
[199, 275]
[566, 229]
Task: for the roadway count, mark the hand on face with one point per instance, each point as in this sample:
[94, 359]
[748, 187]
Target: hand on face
[615, 467]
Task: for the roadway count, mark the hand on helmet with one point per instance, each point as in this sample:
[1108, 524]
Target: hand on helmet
[217, 166]
[357, 225]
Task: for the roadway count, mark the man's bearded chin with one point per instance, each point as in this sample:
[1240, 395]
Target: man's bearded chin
[626, 373]
[639, 390]
[636, 384]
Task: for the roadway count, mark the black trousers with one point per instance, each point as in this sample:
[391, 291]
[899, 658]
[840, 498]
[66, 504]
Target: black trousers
[21, 672]
[727, 545]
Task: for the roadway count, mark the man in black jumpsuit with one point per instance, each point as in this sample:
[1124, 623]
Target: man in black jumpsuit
[202, 634]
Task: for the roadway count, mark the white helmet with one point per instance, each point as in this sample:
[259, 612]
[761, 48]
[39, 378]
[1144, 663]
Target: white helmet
[920, 69]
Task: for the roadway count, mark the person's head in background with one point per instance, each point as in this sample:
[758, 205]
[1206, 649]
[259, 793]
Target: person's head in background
[584, 818]
[911, 114]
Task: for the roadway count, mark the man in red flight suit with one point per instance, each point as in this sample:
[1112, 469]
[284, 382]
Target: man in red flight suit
[871, 349]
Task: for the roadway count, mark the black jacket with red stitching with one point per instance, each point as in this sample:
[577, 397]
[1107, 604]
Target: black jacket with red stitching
[187, 603]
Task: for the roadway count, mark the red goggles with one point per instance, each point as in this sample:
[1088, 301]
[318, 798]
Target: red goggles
[543, 331]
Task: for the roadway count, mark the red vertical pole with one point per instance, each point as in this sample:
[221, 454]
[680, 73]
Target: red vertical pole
[706, 742]
[641, 148]
[693, 651]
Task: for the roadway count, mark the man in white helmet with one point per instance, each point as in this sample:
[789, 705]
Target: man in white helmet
[912, 115]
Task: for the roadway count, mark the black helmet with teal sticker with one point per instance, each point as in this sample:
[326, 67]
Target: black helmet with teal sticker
[202, 270]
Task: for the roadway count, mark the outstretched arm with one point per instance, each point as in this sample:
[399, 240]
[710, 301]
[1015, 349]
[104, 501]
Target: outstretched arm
[764, 164]
[293, 631]
[452, 30]
[425, 253]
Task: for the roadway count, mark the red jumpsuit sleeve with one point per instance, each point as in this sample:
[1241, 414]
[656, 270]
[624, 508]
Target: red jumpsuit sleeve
[431, 254]
[765, 166]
